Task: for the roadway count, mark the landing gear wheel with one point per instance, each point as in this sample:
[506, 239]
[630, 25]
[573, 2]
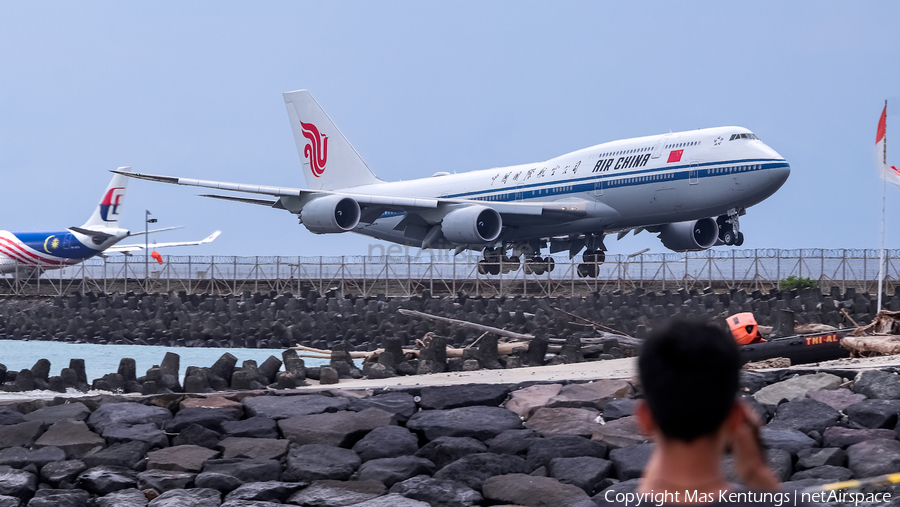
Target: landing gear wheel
[588, 270]
[482, 268]
[594, 257]
[728, 237]
[582, 270]
[550, 263]
[740, 239]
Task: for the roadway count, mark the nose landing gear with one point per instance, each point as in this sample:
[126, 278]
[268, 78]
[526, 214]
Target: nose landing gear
[730, 229]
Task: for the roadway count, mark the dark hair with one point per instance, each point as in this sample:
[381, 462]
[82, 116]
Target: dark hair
[689, 374]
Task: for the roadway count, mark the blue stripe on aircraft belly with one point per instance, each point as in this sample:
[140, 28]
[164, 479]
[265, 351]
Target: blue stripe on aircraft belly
[588, 184]
[61, 244]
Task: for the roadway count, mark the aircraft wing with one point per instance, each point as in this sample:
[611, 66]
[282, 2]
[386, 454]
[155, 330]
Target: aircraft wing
[362, 199]
[138, 247]
[378, 204]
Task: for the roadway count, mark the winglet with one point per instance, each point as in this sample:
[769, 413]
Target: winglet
[148, 177]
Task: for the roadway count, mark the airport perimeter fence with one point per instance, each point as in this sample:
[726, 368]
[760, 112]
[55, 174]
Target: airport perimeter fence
[443, 273]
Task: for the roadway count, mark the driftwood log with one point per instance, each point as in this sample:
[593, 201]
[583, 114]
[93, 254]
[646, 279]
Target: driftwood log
[872, 345]
[471, 325]
[596, 325]
[369, 356]
[503, 348]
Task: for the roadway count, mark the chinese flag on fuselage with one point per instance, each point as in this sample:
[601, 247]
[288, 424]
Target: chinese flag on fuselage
[675, 156]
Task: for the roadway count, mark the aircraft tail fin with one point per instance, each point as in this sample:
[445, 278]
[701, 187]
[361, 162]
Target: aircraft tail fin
[329, 161]
[110, 207]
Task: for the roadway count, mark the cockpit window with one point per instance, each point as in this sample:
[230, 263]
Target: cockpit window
[743, 136]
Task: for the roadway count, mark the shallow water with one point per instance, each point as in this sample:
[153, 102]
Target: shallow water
[102, 359]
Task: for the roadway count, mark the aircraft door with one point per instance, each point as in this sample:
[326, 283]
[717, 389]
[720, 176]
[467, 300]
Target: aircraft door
[598, 188]
[694, 176]
[519, 193]
[658, 149]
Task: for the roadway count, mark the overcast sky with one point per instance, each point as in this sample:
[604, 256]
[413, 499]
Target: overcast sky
[193, 89]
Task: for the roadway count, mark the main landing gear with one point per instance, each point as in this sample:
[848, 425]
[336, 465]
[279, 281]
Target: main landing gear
[591, 261]
[496, 262]
[730, 229]
[539, 265]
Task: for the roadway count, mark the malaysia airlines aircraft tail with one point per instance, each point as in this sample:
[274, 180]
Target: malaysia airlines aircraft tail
[107, 213]
[321, 144]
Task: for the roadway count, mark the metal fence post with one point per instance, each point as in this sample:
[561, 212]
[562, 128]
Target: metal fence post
[756, 268]
[572, 264]
[844, 271]
[733, 269]
[887, 265]
[865, 274]
[642, 271]
[454, 275]
[778, 272]
[663, 271]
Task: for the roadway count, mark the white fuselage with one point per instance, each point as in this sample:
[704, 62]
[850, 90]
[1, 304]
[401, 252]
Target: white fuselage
[639, 182]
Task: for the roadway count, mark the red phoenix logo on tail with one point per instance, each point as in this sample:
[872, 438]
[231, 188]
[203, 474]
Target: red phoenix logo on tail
[317, 149]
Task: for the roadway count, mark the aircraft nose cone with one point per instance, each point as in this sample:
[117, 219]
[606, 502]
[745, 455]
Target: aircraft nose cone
[779, 175]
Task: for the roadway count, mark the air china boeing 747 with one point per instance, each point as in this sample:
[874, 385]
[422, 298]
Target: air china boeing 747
[689, 187]
[27, 254]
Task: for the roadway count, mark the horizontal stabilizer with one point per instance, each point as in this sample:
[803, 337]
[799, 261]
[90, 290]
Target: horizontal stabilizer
[156, 230]
[98, 236]
[137, 247]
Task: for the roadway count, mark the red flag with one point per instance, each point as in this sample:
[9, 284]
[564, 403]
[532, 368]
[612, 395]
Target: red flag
[889, 173]
[675, 156]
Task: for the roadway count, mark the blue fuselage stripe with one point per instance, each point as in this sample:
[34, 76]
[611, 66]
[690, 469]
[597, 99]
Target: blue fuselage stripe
[616, 180]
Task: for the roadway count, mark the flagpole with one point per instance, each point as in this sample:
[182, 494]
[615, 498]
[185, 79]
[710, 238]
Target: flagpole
[883, 206]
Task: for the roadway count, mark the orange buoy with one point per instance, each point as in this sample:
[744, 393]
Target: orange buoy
[744, 328]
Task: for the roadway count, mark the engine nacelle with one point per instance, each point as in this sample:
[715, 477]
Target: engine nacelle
[330, 214]
[690, 236]
[472, 225]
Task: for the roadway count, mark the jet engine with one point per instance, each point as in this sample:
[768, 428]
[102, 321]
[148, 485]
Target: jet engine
[690, 236]
[472, 225]
[330, 214]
